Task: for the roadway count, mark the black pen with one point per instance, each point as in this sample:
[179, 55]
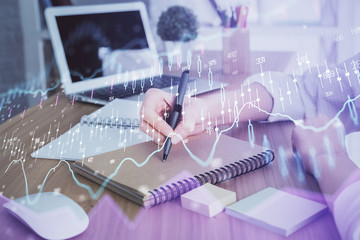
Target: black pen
[176, 113]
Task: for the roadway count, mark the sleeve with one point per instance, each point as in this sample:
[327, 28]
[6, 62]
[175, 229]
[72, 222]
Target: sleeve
[334, 91]
[347, 212]
[319, 90]
[285, 92]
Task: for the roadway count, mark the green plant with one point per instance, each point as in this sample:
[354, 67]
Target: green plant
[177, 24]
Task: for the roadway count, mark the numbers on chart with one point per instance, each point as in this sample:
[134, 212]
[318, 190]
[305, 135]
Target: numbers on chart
[260, 60]
[329, 74]
[355, 30]
[302, 60]
[338, 38]
[212, 62]
[329, 93]
[356, 65]
[232, 54]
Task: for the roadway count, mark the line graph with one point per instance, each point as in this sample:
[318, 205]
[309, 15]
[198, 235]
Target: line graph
[16, 90]
[204, 163]
[307, 127]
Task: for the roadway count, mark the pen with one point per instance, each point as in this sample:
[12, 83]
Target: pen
[246, 9]
[175, 115]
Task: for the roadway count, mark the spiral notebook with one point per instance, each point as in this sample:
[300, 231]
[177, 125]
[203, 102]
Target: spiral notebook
[157, 182]
[116, 123]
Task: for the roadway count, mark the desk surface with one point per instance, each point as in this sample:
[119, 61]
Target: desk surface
[17, 136]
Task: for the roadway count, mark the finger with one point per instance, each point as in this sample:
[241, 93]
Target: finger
[153, 133]
[198, 129]
[159, 141]
[167, 97]
[185, 133]
[159, 124]
[184, 129]
[159, 138]
[154, 104]
[154, 116]
[154, 96]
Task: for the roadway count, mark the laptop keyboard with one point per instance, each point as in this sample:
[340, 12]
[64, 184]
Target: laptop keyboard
[132, 88]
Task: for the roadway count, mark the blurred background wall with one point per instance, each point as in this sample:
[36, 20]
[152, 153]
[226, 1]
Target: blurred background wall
[322, 29]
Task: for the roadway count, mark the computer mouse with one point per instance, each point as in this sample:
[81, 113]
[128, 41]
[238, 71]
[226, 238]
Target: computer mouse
[52, 216]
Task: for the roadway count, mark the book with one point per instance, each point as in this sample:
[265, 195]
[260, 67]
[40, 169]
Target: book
[116, 123]
[276, 211]
[146, 180]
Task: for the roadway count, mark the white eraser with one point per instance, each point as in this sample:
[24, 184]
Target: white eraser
[208, 199]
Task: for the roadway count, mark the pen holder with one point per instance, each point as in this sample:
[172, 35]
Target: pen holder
[236, 51]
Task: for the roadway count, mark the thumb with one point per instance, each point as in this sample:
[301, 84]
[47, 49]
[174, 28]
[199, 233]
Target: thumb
[184, 129]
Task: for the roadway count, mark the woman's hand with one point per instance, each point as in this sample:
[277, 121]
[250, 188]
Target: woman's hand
[308, 142]
[158, 105]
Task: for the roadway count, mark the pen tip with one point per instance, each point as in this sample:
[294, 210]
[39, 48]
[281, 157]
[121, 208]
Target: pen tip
[164, 157]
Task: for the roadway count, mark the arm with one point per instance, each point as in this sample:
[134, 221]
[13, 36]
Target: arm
[198, 112]
[283, 95]
[337, 176]
[330, 166]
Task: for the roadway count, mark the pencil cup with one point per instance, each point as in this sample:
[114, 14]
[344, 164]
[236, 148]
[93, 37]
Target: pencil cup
[236, 51]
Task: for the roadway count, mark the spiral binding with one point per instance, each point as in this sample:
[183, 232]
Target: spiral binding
[174, 190]
[110, 122]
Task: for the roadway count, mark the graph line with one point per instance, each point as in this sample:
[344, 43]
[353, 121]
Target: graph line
[17, 90]
[96, 195]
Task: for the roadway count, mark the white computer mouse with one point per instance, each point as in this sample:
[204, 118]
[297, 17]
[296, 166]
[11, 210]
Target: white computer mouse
[53, 216]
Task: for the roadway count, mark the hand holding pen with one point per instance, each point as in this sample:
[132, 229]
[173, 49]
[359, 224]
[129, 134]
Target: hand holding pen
[157, 104]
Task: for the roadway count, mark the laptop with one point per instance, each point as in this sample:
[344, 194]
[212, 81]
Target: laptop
[107, 51]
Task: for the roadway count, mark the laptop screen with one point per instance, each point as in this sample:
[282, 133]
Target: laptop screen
[104, 44]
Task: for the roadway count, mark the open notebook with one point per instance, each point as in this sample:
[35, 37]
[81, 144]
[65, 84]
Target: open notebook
[157, 182]
[116, 123]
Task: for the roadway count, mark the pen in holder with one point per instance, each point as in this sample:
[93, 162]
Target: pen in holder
[236, 51]
[236, 44]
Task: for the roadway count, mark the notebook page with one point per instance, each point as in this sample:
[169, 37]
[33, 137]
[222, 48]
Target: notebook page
[84, 140]
[155, 173]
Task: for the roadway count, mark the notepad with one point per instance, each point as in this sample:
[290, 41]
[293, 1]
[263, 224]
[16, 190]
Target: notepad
[208, 199]
[276, 211]
[157, 182]
[116, 123]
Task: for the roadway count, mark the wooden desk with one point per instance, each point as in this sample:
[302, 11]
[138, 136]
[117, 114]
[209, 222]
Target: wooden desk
[17, 137]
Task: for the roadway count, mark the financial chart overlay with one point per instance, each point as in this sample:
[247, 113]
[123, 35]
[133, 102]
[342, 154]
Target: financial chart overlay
[21, 154]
